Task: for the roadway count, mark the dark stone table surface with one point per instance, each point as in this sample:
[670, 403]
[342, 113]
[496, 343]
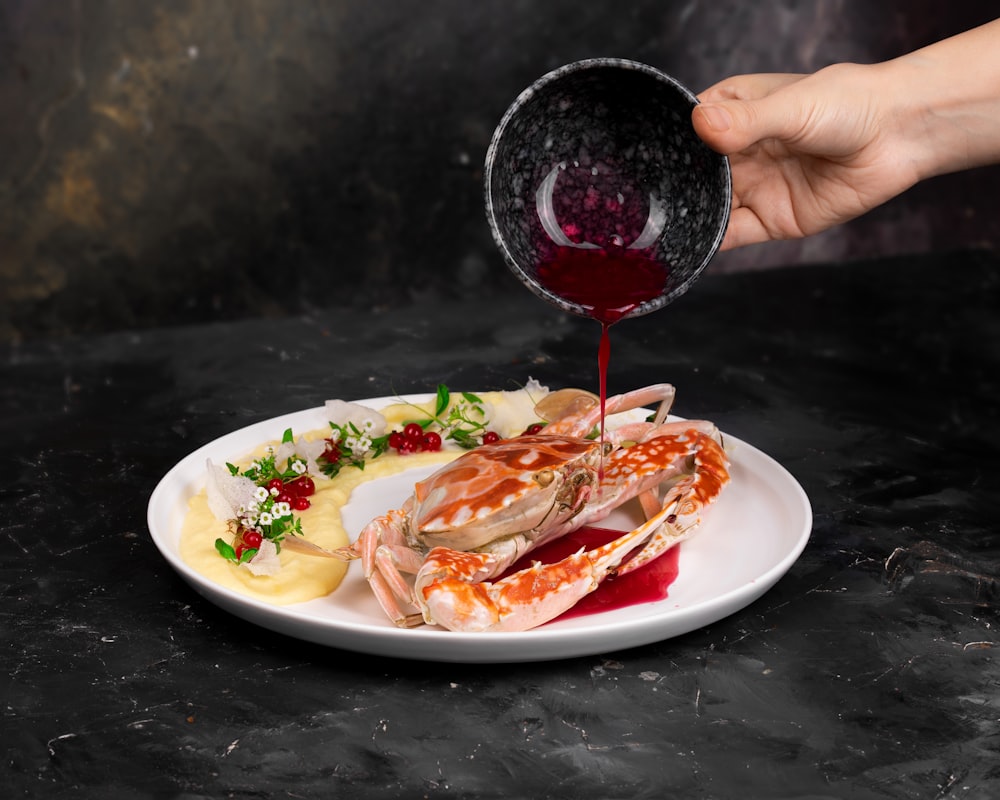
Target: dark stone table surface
[869, 671]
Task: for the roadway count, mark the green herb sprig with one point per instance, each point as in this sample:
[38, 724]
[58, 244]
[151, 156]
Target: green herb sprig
[466, 420]
[265, 516]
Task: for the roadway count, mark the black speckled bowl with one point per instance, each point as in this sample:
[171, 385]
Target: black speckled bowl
[634, 116]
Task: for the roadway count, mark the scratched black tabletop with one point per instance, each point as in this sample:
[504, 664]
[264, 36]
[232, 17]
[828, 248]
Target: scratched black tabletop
[869, 671]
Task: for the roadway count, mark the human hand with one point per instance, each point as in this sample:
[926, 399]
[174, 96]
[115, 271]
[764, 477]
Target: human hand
[806, 152]
[809, 152]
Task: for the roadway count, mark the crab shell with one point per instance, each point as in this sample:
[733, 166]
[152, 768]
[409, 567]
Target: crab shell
[525, 486]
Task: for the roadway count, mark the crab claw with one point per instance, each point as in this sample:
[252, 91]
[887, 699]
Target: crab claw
[451, 589]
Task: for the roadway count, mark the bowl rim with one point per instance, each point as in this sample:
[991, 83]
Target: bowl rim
[522, 99]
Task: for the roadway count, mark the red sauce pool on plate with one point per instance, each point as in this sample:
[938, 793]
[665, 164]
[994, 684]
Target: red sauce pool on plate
[647, 584]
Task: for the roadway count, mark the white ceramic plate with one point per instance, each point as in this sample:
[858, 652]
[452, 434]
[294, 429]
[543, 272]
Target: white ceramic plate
[748, 540]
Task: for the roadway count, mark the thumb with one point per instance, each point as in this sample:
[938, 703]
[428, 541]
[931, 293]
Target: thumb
[729, 126]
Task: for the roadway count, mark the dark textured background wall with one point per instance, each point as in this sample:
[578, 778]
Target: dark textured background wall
[172, 162]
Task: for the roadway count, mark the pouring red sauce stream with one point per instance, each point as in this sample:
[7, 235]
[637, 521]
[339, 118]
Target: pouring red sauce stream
[608, 283]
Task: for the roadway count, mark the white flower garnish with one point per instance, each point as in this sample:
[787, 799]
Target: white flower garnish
[358, 445]
[281, 510]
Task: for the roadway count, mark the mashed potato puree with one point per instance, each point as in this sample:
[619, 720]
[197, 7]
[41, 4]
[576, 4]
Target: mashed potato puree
[301, 577]
[304, 577]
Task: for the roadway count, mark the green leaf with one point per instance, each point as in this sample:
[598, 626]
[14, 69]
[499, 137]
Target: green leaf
[287, 437]
[379, 445]
[470, 397]
[443, 398]
[464, 439]
[247, 554]
[225, 550]
[331, 470]
[233, 469]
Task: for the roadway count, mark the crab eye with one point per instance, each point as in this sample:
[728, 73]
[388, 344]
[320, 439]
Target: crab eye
[544, 477]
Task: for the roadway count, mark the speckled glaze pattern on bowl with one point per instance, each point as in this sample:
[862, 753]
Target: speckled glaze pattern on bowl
[596, 107]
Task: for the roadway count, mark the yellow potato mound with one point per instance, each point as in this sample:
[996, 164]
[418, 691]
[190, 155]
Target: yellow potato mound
[302, 577]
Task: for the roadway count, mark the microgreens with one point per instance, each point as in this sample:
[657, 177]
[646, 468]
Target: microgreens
[352, 444]
[349, 446]
[280, 488]
[465, 423]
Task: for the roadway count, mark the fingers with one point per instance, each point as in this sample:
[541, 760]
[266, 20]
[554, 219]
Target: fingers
[748, 87]
[744, 228]
[740, 112]
[730, 126]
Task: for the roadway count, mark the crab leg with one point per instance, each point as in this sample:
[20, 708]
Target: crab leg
[449, 587]
[385, 557]
[685, 501]
[582, 424]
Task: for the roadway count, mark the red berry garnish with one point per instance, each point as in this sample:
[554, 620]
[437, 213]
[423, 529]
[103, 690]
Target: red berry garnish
[275, 483]
[239, 551]
[432, 441]
[491, 437]
[300, 503]
[414, 431]
[408, 446]
[283, 497]
[252, 539]
[303, 487]
[396, 438]
[332, 452]
[533, 429]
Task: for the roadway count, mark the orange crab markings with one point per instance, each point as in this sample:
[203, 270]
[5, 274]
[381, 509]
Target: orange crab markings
[713, 472]
[458, 585]
[532, 585]
[457, 473]
[707, 481]
[498, 476]
[650, 456]
[535, 452]
[469, 600]
[492, 477]
[464, 565]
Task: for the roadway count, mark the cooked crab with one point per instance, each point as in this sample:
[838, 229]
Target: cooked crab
[438, 559]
